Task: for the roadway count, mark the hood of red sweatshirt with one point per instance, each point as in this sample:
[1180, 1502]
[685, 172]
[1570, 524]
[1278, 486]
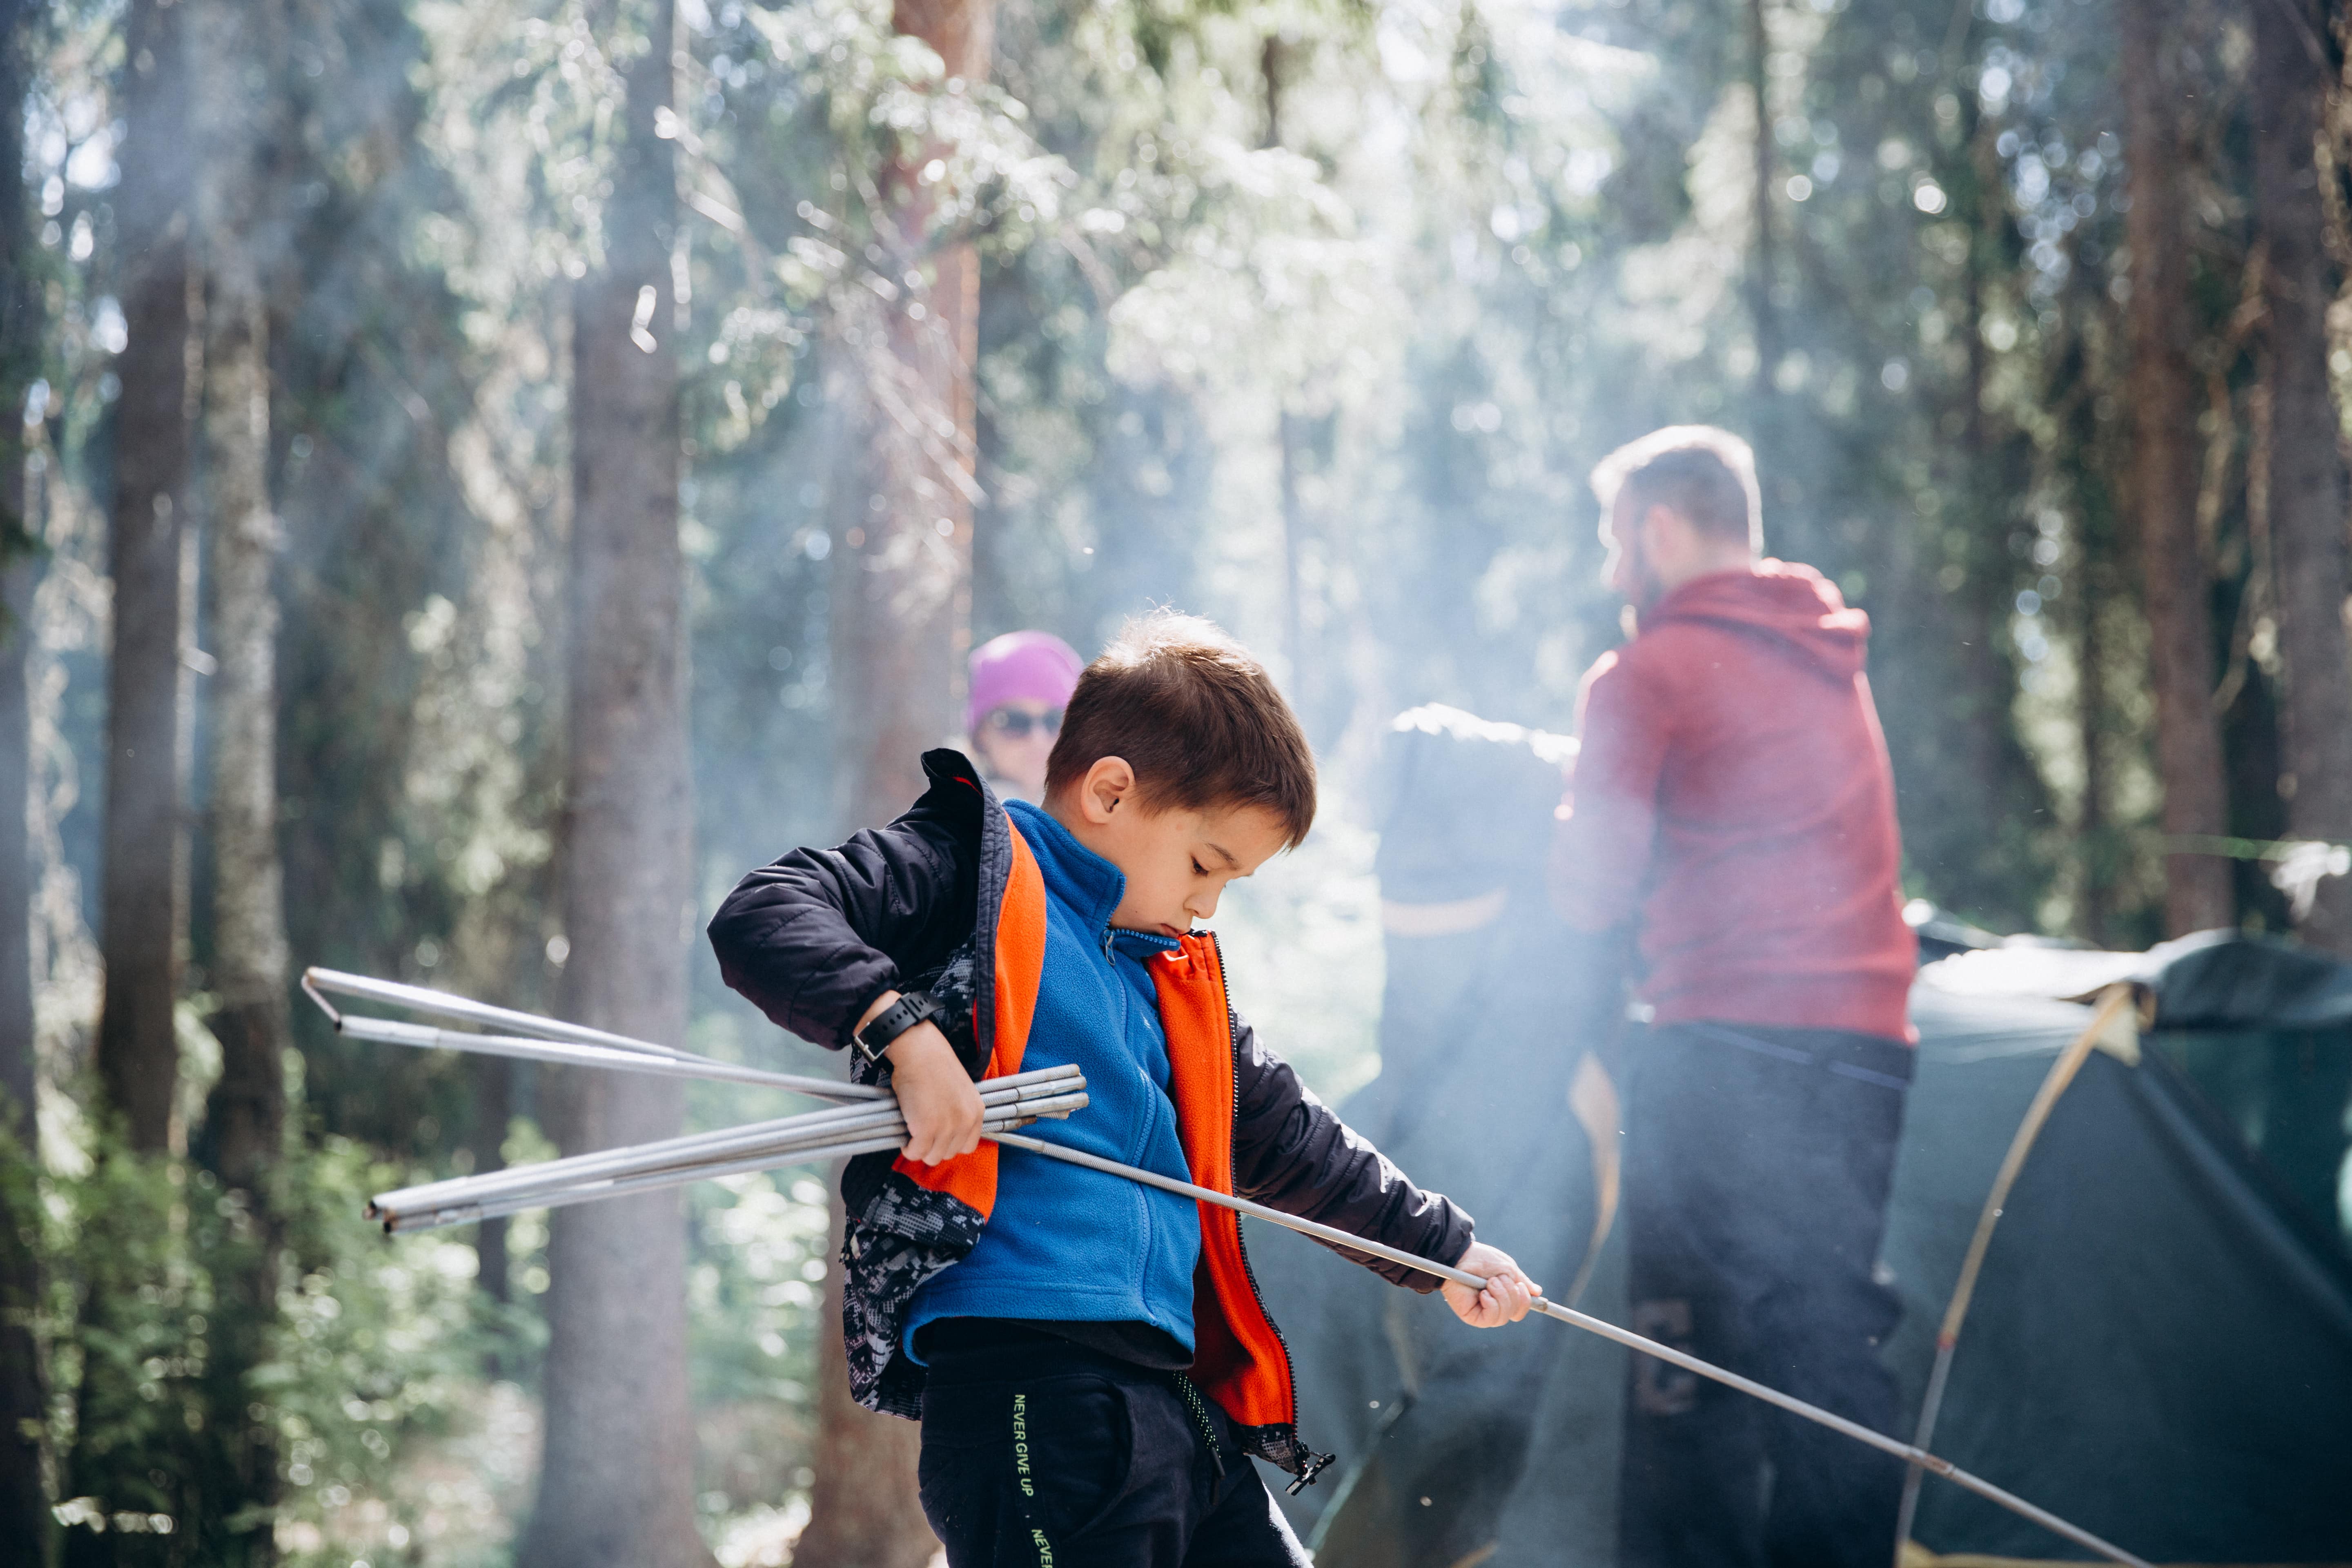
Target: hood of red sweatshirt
[1779, 599]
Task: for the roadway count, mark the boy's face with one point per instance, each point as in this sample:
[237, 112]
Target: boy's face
[1177, 861]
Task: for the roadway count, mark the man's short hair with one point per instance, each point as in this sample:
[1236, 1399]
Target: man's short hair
[1196, 717]
[1705, 474]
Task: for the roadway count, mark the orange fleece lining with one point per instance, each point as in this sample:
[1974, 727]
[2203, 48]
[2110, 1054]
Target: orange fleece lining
[1020, 961]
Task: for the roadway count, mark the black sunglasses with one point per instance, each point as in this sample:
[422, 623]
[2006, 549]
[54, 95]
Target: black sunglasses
[1015, 725]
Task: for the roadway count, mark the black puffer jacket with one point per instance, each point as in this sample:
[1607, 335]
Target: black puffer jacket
[815, 937]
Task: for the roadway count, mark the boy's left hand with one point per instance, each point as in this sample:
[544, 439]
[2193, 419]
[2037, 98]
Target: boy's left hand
[1508, 1294]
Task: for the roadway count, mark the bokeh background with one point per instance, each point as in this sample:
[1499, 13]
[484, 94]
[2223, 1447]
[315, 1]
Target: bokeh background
[426, 415]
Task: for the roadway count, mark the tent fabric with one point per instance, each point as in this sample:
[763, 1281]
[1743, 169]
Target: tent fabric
[2160, 1342]
[2161, 1347]
[2263, 1028]
[2221, 980]
[2211, 980]
[1918, 1556]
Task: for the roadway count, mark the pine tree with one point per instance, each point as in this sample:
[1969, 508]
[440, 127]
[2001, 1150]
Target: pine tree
[24, 1402]
[902, 623]
[2163, 492]
[239, 248]
[616, 1485]
[2311, 553]
[145, 894]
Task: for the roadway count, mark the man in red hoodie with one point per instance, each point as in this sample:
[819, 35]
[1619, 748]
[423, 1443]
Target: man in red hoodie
[1733, 800]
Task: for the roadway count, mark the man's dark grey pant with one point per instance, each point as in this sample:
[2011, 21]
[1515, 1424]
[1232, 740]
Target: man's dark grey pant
[1757, 1168]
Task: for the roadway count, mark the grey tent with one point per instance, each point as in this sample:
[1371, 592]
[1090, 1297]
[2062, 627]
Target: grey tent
[2161, 1347]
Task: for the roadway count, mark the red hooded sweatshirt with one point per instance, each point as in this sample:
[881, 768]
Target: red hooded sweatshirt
[1733, 790]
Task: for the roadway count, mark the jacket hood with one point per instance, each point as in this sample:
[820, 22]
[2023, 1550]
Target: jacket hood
[1783, 600]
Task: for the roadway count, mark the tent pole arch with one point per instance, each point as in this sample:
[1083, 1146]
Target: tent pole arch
[2112, 1004]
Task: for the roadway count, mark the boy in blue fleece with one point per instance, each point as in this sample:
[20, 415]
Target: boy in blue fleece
[1088, 1355]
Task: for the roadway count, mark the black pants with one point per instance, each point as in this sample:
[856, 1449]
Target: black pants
[1046, 1454]
[1757, 1168]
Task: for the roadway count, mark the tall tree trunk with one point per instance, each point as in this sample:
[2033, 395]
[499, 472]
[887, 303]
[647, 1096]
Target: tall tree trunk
[1289, 438]
[2164, 473]
[1764, 318]
[2311, 552]
[902, 625]
[244, 1117]
[1970, 792]
[863, 1508]
[137, 1055]
[144, 896]
[493, 1078]
[24, 1400]
[2092, 708]
[23, 1500]
[616, 1488]
[902, 583]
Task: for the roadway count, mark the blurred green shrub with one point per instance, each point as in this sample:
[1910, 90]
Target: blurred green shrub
[375, 1346]
[755, 1297]
[403, 1395]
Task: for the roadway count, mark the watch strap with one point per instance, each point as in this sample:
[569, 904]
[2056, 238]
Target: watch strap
[910, 1009]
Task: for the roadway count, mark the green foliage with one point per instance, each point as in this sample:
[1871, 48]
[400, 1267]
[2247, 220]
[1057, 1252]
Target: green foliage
[755, 1292]
[418, 820]
[382, 1340]
[376, 1347]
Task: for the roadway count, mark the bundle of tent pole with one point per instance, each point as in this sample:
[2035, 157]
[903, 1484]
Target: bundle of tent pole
[860, 1128]
[871, 1121]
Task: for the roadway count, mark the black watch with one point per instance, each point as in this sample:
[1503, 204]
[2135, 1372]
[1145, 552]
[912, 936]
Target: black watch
[914, 1007]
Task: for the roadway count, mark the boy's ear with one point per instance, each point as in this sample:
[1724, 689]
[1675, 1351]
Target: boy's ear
[1107, 782]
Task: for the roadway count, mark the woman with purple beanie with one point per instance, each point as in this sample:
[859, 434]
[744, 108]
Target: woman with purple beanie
[1020, 684]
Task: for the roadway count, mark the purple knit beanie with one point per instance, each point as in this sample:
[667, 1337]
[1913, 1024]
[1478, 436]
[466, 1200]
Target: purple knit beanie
[1020, 667]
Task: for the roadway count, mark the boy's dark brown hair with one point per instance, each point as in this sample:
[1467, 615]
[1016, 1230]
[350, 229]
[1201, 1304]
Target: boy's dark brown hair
[1198, 720]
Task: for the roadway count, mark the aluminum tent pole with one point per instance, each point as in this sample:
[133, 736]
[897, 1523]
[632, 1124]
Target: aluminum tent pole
[1000, 1096]
[405, 1222]
[1607, 1330]
[467, 1210]
[551, 1175]
[425, 1036]
[448, 1005]
[689, 1147]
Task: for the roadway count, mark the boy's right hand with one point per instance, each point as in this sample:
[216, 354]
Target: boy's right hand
[938, 1097]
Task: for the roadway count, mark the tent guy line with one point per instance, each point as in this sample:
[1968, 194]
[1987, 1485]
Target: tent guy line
[446, 1003]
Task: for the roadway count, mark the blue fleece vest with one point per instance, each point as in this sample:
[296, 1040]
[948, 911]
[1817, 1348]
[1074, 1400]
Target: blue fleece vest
[1064, 1243]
